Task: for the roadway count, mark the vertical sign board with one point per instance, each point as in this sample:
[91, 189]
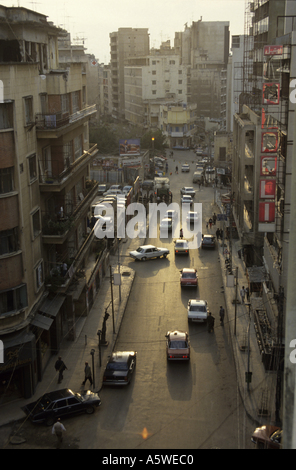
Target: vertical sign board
[1, 352]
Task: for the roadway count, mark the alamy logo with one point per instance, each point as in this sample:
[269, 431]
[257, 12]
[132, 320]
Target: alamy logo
[1, 352]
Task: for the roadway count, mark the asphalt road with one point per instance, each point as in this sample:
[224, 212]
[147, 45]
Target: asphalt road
[168, 406]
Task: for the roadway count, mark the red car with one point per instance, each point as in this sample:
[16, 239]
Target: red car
[188, 277]
[267, 437]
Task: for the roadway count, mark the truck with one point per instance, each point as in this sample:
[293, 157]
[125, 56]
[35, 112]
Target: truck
[162, 189]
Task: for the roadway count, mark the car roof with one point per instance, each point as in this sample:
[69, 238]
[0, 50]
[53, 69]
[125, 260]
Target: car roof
[188, 187]
[208, 236]
[189, 270]
[177, 335]
[59, 394]
[182, 241]
[147, 246]
[121, 356]
[197, 302]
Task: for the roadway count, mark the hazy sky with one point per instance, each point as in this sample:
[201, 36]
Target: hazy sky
[95, 19]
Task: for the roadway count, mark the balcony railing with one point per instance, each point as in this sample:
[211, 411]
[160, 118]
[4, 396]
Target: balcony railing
[49, 121]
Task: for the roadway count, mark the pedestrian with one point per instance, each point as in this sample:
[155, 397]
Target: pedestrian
[199, 183]
[58, 429]
[65, 269]
[242, 294]
[60, 367]
[218, 233]
[87, 374]
[222, 314]
[210, 322]
[247, 291]
[210, 222]
[214, 218]
[181, 233]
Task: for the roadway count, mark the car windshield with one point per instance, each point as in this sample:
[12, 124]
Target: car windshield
[181, 245]
[140, 250]
[117, 366]
[189, 275]
[178, 345]
[207, 240]
[198, 308]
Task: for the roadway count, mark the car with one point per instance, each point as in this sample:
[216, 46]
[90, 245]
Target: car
[210, 169]
[185, 168]
[208, 241]
[268, 437]
[192, 217]
[177, 346]
[186, 200]
[187, 190]
[115, 187]
[102, 188]
[60, 404]
[171, 214]
[120, 368]
[166, 224]
[148, 184]
[197, 310]
[145, 252]
[180, 147]
[126, 189]
[188, 277]
[181, 247]
[112, 192]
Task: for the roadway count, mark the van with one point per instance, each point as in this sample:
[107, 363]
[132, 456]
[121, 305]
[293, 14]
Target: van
[198, 177]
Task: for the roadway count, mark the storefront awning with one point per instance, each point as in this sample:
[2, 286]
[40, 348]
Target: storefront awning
[42, 322]
[52, 306]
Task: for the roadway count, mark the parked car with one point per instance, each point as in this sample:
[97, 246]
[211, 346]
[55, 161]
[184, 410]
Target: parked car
[197, 310]
[120, 368]
[208, 241]
[60, 404]
[186, 200]
[192, 217]
[166, 224]
[267, 437]
[148, 184]
[126, 189]
[188, 277]
[102, 188]
[210, 169]
[181, 247]
[187, 190]
[149, 251]
[113, 192]
[185, 168]
[177, 346]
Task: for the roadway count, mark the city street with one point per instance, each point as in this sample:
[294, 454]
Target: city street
[169, 405]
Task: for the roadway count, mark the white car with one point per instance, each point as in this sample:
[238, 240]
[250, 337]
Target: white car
[186, 200]
[171, 214]
[145, 252]
[185, 168]
[188, 191]
[166, 224]
[192, 217]
[126, 189]
[197, 310]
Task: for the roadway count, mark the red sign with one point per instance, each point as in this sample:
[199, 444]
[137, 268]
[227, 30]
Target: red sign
[269, 142]
[268, 165]
[273, 50]
[267, 189]
[266, 212]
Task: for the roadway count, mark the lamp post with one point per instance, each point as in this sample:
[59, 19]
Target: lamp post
[92, 352]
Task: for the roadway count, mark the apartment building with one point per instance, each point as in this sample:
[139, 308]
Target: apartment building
[44, 194]
[124, 43]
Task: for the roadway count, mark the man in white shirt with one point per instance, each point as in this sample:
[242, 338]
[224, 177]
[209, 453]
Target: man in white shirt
[58, 429]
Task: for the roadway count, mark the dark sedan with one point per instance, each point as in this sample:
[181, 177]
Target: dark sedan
[60, 404]
[120, 368]
[208, 241]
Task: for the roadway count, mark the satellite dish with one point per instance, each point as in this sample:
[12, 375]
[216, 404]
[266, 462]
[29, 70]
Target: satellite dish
[43, 77]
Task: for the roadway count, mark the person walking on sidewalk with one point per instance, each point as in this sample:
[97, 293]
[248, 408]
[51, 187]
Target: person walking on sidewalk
[210, 222]
[247, 291]
[58, 429]
[210, 322]
[87, 374]
[242, 294]
[60, 367]
[222, 314]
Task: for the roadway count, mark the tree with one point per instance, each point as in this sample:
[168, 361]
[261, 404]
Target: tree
[159, 140]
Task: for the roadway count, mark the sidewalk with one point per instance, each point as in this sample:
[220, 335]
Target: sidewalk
[75, 353]
[257, 394]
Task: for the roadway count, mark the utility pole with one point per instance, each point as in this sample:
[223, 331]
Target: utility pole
[235, 308]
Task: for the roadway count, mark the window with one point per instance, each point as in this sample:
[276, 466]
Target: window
[180, 82]
[39, 275]
[32, 168]
[8, 241]
[180, 92]
[13, 299]
[153, 72]
[153, 82]
[75, 101]
[6, 180]
[28, 102]
[36, 223]
[65, 103]
[78, 147]
[153, 92]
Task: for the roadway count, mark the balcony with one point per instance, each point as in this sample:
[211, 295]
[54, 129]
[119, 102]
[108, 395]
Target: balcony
[56, 227]
[55, 183]
[53, 125]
